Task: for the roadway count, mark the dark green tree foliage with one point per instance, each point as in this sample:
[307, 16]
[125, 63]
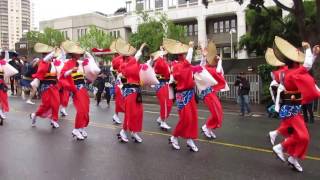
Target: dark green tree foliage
[264, 71]
[49, 36]
[262, 27]
[153, 30]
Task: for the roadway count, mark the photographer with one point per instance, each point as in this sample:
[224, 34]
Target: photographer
[243, 94]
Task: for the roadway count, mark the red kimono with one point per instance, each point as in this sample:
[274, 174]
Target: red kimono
[161, 68]
[187, 126]
[212, 101]
[76, 84]
[132, 93]
[119, 100]
[297, 81]
[50, 100]
[4, 105]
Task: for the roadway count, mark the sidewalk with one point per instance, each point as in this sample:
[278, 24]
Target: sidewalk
[228, 106]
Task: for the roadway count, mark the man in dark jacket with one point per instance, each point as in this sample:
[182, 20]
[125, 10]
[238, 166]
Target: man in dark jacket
[103, 83]
[15, 80]
[243, 94]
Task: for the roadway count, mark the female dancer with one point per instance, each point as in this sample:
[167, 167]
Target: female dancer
[133, 107]
[182, 71]
[47, 75]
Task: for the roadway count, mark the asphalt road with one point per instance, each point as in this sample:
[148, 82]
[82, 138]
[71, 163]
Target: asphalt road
[241, 151]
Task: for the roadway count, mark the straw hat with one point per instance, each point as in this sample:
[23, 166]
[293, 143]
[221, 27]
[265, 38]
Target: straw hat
[42, 48]
[175, 47]
[212, 52]
[284, 50]
[124, 48]
[272, 59]
[158, 54]
[113, 46]
[72, 47]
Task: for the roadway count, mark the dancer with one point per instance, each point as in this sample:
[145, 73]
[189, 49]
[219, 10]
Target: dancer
[182, 71]
[297, 87]
[6, 70]
[272, 60]
[119, 99]
[209, 95]
[131, 91]
[47, 75]
[73, 79]
[162, 70]
[29, 68]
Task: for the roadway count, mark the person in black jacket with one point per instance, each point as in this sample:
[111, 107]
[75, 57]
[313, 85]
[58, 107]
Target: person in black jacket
[103, 83]
[243, 94]
[14, 80]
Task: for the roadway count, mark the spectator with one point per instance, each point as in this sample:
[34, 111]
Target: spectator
[14, 80]
[103, 83]
[243, 94]
[307, 109]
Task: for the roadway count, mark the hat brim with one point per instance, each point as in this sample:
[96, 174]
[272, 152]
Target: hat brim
[271, 58]
[175, 47]
[124, 48]
[285, 50]
[42, 48]
[71, 47]
[212, 53]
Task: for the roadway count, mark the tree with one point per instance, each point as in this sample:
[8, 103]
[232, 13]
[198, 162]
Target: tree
[154, 29]
[95, 38]
[300, 15]
[262, 29]
[49, 36]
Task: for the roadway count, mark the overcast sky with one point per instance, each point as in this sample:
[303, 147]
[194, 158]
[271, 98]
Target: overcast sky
[50, 9]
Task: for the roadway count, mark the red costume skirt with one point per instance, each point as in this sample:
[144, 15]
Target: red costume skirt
[64, 97]
[119, 100]
[187, 126]
[133, 114]
[214, 105]
[50, 102]
[296, 144]
[164, 101]
[4, 105]
[81, 102]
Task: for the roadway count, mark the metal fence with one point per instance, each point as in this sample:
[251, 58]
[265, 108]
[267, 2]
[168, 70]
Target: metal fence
[255, 89]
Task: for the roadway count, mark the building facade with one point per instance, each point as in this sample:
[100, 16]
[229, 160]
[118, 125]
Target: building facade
[223, 21]
[14, 21]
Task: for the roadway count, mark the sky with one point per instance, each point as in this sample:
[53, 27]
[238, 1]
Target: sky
[50, 9]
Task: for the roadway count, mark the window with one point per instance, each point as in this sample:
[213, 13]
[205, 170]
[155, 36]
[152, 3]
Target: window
[196, 29]
[221, 26]
[139, 5]
[158, 4]
[227, 52]
[227, 25]
[118, 34]
[190, 30]
[233, 24]
[215, 27]
[172, 3]
[185, 30]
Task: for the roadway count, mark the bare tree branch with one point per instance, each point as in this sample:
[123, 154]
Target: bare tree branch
[282, 6]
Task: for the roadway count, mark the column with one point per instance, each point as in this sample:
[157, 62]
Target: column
[133, 5]
[202, 30]
[165, 5]
[241, 30]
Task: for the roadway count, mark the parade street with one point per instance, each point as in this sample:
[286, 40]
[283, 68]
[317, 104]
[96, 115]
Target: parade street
[241, 150]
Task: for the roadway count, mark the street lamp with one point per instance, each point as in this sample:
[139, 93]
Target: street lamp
[232, 31]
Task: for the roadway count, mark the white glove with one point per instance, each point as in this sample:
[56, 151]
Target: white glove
[273, 83]
[189, 54]
[88, 55]
[281, 88]
[309, 59]
[171, 79]
[67, 73]
[49, 56]
[219, 65]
